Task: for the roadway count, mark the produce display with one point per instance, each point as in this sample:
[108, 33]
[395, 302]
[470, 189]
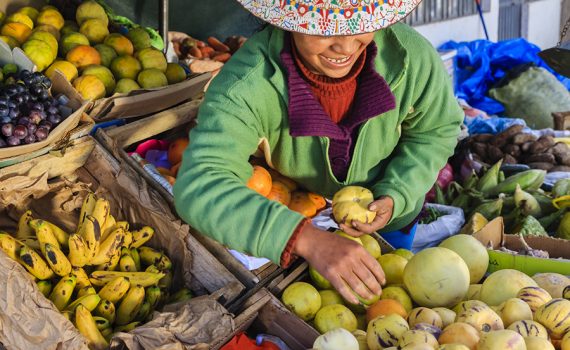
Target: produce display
[208, 56]
[28, 112]
[102, 277]
[514, 146]
[98, 62]
[444, 303]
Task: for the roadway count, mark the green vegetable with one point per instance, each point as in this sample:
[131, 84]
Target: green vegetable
[432, 215]
[530, 226]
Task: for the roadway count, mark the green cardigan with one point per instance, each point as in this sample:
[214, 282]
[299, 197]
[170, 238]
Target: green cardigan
[398, 153]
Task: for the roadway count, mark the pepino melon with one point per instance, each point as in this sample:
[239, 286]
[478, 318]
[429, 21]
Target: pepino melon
[503, 285]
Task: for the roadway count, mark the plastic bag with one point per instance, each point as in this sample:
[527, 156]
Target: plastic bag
[481, 64]
[482, 125]
[433, 233]
[533, 96]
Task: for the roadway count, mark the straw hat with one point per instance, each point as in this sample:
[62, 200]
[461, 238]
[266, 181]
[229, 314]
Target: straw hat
[330, 17]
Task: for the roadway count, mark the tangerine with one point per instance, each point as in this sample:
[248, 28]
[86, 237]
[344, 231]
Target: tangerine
[301, 203]
[279, 193]
[318, 200]
[385, 307]
[176, 149]
[260, 181]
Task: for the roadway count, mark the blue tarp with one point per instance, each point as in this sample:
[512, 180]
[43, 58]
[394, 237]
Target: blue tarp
[481, 64]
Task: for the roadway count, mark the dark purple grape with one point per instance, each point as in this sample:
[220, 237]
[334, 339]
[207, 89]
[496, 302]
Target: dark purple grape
[32, 128]
[37, 116]
[38, 76]
[37, 105]
[13, 141]
[3, 143]
[24, 121]
[47, 104]
[24, 73]
[12, 104]
[20, 131]
[33, 98]
[36, 89]
[20, 88]
[41, 134]
[44, 95]
[4, 111]
[45, 124]
[3, 101]
[29, 139]
[14, 113]
[11, 90]
[29, 81]
[65, 111]
[19, 99]
[46, 82]
[4, 120]
[53, 110]
[8, 129]
[54, 118]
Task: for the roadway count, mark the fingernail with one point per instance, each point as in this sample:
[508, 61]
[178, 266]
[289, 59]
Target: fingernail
[372, 207]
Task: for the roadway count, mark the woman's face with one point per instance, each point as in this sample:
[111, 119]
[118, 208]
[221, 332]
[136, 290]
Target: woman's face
[331, 56]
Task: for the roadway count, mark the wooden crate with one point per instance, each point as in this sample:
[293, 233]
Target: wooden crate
[91, 163]
[170, 124]
[561, 120]
[263, 313]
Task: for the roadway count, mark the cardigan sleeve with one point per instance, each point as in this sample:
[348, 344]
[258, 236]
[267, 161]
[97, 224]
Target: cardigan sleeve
[429, 135]
[210, 192]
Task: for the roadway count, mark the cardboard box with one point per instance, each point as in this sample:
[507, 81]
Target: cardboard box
[263, 313]
[493, 236]
[171, 124]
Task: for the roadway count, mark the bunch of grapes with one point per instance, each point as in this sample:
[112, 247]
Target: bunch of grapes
[27, 110]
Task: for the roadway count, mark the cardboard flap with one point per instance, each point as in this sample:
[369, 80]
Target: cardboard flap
[492, 234]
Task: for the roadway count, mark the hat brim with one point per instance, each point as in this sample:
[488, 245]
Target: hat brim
[305, 17]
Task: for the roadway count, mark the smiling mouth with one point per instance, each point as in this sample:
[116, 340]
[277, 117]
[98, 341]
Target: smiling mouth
[337, 60]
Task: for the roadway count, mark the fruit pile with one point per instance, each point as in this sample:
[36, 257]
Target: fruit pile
[208, 56]
[276, 187]
[102, 277]
[435, 300]
[27, 110]
[99, 63]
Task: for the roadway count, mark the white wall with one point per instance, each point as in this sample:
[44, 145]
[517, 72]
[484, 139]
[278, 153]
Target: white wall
[463, 29]
[543, 22]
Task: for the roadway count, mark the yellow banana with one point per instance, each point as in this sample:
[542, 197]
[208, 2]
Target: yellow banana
[183, 294]
[152, 296]
[34, 263]
[91, 234]
[31, 242]
[61, 293]
[142, 236]
[153, 269]
[115, 289]
[57, 260]
[44, 287]
[86, 209]
[82, 277]
[101, 211]
[127, 263]
[166, 281]
[102, 323]
[89, 301]
[106, 309]
[144, 312]
[130, 306]
[107, 333]
[68, 315]
[87, 290]
[10, 245]
[128, 239]
[24, 229]
[78, 252]
[109, 226]
[145, 279]
[59, 234]
[88, 328]
[126, 328]
[123, 224]
[109, 247]
[44, 234]
[150, 256]
[136, 258]
[112, 264]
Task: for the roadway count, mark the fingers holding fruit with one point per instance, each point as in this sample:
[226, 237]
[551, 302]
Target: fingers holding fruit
[383, 208]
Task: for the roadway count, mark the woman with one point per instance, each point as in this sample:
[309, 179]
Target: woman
[333, 94]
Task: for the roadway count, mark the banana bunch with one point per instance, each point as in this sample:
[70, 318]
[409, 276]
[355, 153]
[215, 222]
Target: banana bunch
[101, 277]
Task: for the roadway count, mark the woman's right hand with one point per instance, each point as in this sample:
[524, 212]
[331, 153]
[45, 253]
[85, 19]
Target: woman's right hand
[345, 263]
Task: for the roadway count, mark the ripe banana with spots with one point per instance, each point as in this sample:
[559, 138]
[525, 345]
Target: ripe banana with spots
[24, 230]
[78, 252]
[130, 305]
[115, 289]
[105, 309]
[110, 223]
[86, 209]
[57, 260]
[144, 311]
[128, 239]
[127, 263]
[136, 258]
[102, 323]
[82, 277]
[62, 292]
[107, 333]
[60, 235]
[34, 263]
[109, 247]
[112, 264]
[89, 301]
[145, 279]
[150, 256]
[152, 296]
[10, 245]
[101, 211]
[166, 281]
[142, 236]
[127, 328]
[87, 290]
[91, 234]
[44, 287]
[44, 234]
[87, 326]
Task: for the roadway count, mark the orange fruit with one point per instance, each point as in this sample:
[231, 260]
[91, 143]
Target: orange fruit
[279, 193]
[83, 55]
[317, 199]
[301, 203]
[18, 31]
[165, 171]
[385, 307]
[260, 181]
[176, 149]
[170, 179]
[175, 168]
[291, 185]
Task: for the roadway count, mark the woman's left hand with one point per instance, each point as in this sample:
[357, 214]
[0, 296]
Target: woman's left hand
[383, 208]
